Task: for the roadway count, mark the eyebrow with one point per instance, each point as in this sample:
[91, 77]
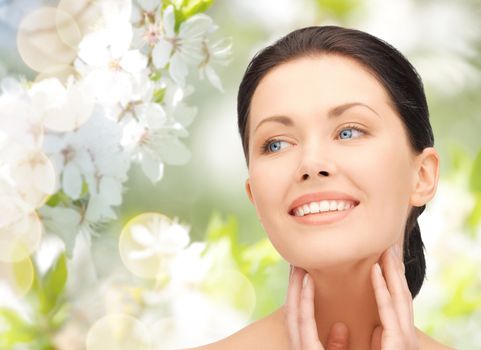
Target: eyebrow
[332, 113]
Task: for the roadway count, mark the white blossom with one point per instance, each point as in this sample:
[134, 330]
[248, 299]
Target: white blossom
[107, 64]
[174, 104]
[93, 155]
[218, 52]
[62, 108]
[145, 12]
[183, 48]
[151, 135]
[159, 237]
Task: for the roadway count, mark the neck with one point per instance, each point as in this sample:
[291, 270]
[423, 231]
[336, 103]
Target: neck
[344, 293]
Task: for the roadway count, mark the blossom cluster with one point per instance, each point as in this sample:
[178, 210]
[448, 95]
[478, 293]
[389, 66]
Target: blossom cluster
[67, 145]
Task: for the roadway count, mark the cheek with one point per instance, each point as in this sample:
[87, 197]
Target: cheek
[270, 181]
[384, 177]
[268, 185]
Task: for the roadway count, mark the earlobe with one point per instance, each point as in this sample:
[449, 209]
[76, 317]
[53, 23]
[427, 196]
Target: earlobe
[427, 177]
[248, 191]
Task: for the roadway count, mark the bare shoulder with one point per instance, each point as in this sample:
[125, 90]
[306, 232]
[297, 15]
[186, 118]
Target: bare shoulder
[255, 336]
[428, 343]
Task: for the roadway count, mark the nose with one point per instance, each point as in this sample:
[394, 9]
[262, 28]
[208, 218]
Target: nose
[312, 173]
[322, 173]
[315, 165]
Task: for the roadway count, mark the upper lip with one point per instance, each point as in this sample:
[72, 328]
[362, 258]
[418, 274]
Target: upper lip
[319, 196]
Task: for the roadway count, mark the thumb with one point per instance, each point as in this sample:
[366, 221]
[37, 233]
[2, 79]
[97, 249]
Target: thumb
[376, 338]
[338, 338]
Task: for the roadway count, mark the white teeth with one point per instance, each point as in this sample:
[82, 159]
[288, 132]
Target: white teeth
[323, 206]
[314, 207]
[306, 209]
[332, 205]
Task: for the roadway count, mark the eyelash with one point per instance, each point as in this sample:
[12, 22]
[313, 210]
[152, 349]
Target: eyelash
[265, 145]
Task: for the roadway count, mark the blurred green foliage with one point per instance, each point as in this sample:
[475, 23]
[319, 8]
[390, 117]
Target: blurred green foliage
[259, 262]
[48, 311]
[340, 9]
[184, 9]
[475, 187]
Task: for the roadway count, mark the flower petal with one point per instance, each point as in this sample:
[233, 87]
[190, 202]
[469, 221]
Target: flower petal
[185, 114]
[72, 181]
[174, 152]
[142, 235]
[120, 37]
[161, 53]
[154, 115]
[169, 21]
[154, 169]
[141, 254]
[213, 78]
[196, 26]
[133, 61]
[148, 5]
[178, 69]
[111, 190]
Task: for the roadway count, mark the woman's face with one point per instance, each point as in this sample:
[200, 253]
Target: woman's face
[320, 151]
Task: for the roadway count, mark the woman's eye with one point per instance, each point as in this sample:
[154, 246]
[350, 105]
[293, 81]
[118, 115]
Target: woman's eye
[349, 132]
[272, 146]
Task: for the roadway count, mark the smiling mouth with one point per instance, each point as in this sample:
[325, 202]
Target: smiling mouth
[320, 211]
[327, 217]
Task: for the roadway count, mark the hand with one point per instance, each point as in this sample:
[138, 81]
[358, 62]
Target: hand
[394, 304]
[300, 319]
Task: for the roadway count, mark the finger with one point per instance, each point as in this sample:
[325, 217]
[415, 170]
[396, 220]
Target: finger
[292, 307]
[399, 290]
[376, 338]
[308, 328]
[387, 312]
[338, 338]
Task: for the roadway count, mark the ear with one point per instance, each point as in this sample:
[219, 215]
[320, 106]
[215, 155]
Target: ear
[249, 192]
[426, 177]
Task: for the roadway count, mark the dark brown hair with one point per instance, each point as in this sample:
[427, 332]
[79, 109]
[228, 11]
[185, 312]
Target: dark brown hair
[392, 70]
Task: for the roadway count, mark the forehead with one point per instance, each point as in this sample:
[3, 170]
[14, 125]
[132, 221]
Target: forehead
[314, 84]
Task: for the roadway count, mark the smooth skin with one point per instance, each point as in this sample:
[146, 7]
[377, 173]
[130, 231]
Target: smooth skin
[397, 330]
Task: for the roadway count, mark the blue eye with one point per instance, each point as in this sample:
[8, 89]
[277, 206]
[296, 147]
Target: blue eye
[347, 132]
[272, 146]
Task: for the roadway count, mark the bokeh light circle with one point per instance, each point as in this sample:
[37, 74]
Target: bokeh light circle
[154, 263]
[17, 275]
[21, 237]
[230, 287]
[91, 15]
[62, 74]
[34, 177]
[120, 332]
[87, 13]
[40, 43]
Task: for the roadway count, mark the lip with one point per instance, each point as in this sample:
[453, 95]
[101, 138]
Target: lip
[324, 218]
[319, 196]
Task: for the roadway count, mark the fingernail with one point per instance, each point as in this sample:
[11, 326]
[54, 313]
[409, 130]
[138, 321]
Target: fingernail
[304, 281]
[378, 268]
[291, 272]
